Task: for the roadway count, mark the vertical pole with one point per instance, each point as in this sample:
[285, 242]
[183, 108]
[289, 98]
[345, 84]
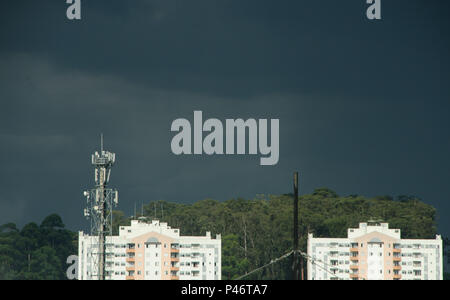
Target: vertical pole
[296, 267]
[302, 268]
[102, 227]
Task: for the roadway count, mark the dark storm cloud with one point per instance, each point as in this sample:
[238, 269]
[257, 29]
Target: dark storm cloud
[251, 47]
[363, 106]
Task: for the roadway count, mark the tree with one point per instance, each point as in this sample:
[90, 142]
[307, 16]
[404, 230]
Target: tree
[325, 193]
[36, 252]
[53, 221]
[45, 265]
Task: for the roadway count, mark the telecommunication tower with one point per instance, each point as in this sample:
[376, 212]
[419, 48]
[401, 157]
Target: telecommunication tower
[100, 202]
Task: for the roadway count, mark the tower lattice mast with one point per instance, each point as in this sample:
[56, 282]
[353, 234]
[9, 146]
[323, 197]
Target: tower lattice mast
[100, 203]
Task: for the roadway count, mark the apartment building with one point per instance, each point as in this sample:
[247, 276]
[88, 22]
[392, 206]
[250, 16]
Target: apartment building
[375, 252]
[152, 251]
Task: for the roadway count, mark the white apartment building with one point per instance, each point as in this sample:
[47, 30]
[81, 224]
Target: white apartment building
[374, 252]
[152, 251]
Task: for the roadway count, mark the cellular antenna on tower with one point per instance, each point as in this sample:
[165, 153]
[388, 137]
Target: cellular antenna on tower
[100, 203]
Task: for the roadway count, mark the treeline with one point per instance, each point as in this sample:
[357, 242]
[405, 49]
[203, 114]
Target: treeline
[254, 232]
[37, 252]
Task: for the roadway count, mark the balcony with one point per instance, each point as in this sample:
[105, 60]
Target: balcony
[130, 268]
[397, 250]
[174, 250]
[174, 269]
[354, 267]
[129, 278]
[353, 275]
[174, 259]
[397, 268]
[354, 258]
[174, 277]
[397, 276]
[130, 259]
[397, 258]
[353, 249]
[131, 250]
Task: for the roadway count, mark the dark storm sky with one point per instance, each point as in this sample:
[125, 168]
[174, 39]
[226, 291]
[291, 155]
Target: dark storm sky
[363, 106]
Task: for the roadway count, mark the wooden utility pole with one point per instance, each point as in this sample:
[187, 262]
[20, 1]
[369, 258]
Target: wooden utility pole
[296, 260]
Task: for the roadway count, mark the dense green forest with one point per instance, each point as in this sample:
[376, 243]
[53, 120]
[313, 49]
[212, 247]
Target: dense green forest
[36, 252]
[253, 231]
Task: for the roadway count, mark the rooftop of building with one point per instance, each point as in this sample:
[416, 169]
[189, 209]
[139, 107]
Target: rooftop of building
[374, 226]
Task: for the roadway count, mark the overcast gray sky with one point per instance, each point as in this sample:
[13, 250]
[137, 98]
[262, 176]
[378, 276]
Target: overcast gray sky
[363, 106]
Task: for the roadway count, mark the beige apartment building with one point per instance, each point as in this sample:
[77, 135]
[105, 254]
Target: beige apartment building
[152, 251]
[375, 252]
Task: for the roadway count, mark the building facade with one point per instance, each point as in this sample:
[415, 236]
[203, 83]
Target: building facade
[374, 252]
[152, 251]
